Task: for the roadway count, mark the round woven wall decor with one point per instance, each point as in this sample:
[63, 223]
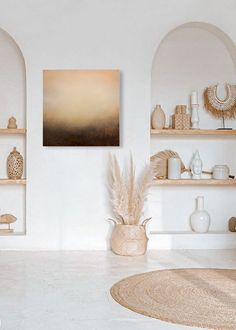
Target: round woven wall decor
[204, 298]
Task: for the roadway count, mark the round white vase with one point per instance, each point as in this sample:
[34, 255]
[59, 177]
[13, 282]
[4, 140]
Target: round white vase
[158, 118]
[200, 219]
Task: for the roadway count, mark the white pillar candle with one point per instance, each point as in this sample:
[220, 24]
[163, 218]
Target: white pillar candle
[174, 168]
[194, 98]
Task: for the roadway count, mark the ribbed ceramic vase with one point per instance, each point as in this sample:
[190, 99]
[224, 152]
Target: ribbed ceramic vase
[158, 118]
[200, 219]
[129, 240]
[14, 165]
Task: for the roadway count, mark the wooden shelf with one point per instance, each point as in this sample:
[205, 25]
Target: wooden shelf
[170, 232]
[12, 131]
[15, 233]
[167, 132]
[191, 182]
[12, 182]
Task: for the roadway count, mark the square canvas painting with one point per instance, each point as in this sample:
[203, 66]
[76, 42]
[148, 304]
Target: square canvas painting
[81, 107]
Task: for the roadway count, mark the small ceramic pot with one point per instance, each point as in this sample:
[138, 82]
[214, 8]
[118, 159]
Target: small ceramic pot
[220, 172]
[129, 240]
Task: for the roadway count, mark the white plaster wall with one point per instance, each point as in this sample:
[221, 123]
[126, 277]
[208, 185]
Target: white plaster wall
[66, 194]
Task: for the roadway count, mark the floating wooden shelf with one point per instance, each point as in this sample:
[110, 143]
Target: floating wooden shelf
[12, 182]
[15, 233]
[12, 131]
[191, 182]
[170, 232]
[180, 132]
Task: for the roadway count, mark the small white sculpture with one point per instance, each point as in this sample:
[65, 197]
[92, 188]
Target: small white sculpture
[196, 166]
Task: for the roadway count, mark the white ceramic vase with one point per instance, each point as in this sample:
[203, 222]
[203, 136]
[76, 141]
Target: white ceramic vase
[200, 219]
[174, 168]
[158, 119]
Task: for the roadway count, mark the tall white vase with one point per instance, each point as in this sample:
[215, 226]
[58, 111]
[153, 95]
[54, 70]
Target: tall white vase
[195, 116]
[200, 219]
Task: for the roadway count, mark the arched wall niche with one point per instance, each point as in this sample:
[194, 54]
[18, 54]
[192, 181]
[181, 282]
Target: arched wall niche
[12, 80]
[12, 103]
[191, 57]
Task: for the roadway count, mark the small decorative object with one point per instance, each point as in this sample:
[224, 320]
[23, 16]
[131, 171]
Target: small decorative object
[12, 123]
[14, 165]
[174, 168]
[196, 166]
[225, 109]
[158, 118]
[220, 172]
[7, 219]
[200, 219]
[159, 163]
[232, 224]
[129, 234]
[194, 108]
[181, 119]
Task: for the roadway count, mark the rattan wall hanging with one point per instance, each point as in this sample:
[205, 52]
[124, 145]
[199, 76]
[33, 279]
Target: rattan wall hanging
[219, 108]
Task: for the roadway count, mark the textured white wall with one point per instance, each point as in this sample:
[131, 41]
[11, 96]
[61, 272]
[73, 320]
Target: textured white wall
[66, 194]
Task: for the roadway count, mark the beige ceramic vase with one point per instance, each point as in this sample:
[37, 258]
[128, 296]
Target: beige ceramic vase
[129, 240]
[14, 165]
[158, 118]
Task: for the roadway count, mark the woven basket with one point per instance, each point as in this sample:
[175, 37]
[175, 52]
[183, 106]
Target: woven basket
[129, 240]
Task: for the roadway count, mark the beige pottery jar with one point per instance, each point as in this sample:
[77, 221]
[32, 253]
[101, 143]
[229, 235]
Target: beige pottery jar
[158, 119]
[129, 240]
[14, 165]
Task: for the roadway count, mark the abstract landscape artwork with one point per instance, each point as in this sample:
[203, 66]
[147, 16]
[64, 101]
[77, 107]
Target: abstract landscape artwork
[81, 107]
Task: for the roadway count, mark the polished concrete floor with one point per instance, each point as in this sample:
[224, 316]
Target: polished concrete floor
[70, 290]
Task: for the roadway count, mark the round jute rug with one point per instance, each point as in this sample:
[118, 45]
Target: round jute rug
[204, 298]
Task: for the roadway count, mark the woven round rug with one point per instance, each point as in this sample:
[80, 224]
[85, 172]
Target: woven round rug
[204, 298]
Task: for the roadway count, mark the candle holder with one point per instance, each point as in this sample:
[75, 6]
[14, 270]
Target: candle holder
[195, 116]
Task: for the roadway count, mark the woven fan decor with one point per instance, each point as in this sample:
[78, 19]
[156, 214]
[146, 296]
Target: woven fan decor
[220, 108]
[159, 163]
[197, 297]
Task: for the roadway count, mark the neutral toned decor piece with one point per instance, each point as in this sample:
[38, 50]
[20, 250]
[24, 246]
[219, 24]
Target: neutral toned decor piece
[159, 163]
[181, 119]
[81, 107]
[128, 197]
[232, 224]
[194, 110]
[220, 172]
[7, 219]
[158, 118]
[129, 240]
[174, 168]
[15, 165]
[219, 108]
[196, 166]
[200, 219]
[204, 298]
[12, 123]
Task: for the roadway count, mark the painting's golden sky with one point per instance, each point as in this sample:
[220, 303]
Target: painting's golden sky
[77, 98]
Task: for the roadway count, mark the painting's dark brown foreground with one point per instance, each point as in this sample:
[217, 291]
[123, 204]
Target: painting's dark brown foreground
[87, 136]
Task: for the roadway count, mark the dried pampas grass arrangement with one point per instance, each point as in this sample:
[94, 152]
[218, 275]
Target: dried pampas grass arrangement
[127, 194]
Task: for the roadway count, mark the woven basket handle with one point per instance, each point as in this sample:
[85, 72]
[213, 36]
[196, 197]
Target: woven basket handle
[144, 223]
